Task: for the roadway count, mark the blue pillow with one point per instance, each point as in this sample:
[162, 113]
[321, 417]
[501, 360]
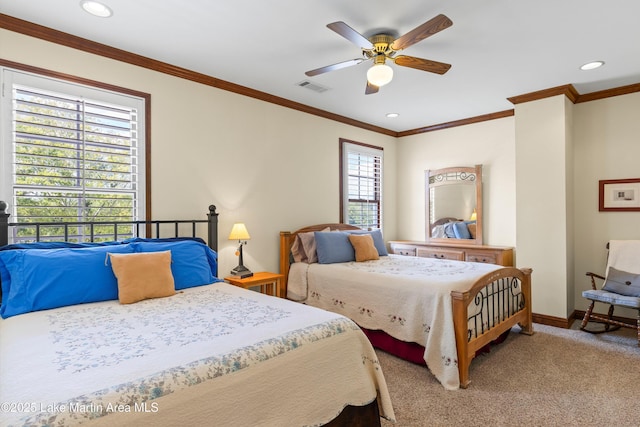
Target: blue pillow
[192, 263]
[334, 247]
[448, 230]
[48, 278]
[378, 241]
[461, 230]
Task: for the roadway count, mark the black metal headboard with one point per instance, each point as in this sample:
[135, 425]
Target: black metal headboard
[136, 227]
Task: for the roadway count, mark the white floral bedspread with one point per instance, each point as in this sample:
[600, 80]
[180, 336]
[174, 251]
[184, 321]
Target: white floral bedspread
[73, 364]
[407, 297]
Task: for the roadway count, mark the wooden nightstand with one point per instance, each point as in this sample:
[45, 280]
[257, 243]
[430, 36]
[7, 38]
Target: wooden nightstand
[269, 283]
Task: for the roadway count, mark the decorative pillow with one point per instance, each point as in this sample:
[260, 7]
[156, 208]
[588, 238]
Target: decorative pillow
[40, 279]
[364, 248]
[437, 232]
[143, 275]
[622, 282]
[309, 245]
[378, 241]
[472, 230]
[334, 247]
[448, 230]
[297, 250]
[461, 231]
[192, 263]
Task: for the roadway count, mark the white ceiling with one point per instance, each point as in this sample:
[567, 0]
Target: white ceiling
[497, 48]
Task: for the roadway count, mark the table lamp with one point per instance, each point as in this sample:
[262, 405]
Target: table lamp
[239, 232]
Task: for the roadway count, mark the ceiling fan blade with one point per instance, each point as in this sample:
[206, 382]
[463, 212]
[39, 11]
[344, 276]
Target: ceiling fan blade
[350, 34]
[371, 89]
[422, 64]
[333, 67]
[421, 32]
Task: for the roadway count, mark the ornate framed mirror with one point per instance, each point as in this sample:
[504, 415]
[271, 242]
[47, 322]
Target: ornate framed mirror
[454, 205]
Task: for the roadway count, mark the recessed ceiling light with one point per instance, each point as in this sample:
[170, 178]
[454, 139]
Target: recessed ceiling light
[96, 8]
[592, 65]
[392, 115]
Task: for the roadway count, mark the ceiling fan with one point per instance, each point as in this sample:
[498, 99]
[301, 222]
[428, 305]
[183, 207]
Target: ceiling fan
[382, 47]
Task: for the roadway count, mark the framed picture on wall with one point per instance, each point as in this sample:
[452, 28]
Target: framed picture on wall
[619, 195]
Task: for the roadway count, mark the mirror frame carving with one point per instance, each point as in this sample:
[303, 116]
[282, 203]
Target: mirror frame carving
[457, 172]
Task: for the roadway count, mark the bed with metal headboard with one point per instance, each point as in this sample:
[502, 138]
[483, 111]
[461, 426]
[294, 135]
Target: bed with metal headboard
[26, 232]
[128, 329]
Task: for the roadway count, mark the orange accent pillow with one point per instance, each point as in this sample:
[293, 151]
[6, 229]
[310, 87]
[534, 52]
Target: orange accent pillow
[364, 247]
[472, 230]
[143, 275]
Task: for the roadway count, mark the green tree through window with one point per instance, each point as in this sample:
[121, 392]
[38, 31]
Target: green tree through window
[72, 159]
[361, 172]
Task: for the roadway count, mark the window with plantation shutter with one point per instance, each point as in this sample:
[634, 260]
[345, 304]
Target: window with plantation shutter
[70, 153]
[361, 185]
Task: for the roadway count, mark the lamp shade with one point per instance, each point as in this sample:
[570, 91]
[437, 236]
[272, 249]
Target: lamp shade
[379, 74]
[239, 232]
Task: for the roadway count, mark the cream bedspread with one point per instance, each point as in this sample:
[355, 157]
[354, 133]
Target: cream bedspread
[407, 297]
[212, 355]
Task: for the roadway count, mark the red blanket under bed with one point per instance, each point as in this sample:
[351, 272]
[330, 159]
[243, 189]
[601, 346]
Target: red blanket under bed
[411, 351]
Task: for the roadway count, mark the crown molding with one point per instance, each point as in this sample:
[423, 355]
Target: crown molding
[608, 93]
[54, 36]
[567, 90]
[65, 39]
[456, 123]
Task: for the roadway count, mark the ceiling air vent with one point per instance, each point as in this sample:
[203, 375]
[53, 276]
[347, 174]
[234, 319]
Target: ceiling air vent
[313, 86]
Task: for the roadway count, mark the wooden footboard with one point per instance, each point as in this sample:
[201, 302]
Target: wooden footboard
[499, 300]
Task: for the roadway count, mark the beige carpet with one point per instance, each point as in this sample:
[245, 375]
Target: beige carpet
[557, 377]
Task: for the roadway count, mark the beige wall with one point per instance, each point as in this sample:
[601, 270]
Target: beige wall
[606, 146]
[543, 200]
[268, 166]
[490, 144]
[596, 140]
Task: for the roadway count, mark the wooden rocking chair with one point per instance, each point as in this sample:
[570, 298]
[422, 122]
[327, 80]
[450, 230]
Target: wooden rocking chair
[621, 287]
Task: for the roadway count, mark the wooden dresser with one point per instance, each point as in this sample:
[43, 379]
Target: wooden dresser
[501, 255]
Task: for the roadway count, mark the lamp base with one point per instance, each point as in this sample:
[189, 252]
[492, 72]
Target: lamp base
[242, 272]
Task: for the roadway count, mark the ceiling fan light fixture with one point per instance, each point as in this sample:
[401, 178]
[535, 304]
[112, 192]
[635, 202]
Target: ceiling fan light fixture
[379, 74]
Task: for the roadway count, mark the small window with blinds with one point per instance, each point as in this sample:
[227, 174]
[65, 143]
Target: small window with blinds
[73, 154]
[361, 185]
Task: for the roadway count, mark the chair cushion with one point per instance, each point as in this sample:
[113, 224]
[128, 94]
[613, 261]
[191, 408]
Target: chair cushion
[622, 282]
[611, 298]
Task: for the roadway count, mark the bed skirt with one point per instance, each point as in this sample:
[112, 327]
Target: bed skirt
[411, 351]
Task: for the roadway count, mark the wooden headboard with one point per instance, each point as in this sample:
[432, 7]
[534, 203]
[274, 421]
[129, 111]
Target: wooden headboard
[446, 220]
[287, 238]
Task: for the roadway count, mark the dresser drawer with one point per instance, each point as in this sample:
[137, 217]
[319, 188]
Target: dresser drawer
[490, 258]
[441, 253]
[500, 255]
[403, 250]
